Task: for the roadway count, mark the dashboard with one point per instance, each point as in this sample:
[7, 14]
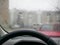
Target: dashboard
[20, 38]
[56, 39]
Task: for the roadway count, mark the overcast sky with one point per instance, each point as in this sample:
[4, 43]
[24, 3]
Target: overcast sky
[33, 4]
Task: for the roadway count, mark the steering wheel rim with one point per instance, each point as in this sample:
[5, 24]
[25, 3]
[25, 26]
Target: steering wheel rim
[43, 37]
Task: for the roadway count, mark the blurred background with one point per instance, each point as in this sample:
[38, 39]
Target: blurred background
[37, 14]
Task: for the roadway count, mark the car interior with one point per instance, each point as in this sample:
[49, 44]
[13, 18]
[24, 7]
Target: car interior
[29, 22]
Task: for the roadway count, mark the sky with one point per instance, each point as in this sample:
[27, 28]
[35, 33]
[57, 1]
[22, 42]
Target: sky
[48, 5]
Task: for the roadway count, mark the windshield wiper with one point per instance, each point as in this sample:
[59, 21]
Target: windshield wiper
[3, 29]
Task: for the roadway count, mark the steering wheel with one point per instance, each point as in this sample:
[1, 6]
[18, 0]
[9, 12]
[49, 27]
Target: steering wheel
[43, 37]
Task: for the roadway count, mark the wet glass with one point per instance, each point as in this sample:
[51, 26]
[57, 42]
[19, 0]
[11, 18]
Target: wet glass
[36, 14]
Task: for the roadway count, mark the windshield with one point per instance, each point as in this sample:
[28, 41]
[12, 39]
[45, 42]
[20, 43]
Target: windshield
[32, 14]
